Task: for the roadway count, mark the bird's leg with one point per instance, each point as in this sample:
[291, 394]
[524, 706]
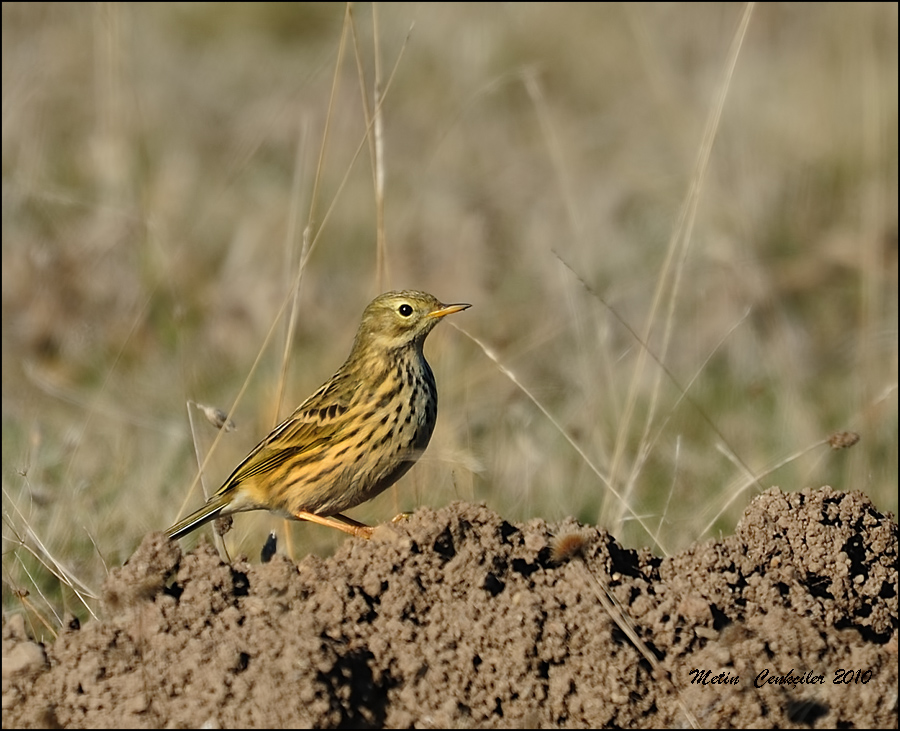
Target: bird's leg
[341, 522]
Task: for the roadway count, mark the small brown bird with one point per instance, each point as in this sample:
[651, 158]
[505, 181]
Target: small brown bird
[355, 436]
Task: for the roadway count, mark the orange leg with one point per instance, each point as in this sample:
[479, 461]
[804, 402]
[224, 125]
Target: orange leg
[341, 522]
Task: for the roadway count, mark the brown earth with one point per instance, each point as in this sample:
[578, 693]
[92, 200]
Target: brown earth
[457, 618]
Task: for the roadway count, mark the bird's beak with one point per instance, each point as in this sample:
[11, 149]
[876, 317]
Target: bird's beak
[448, 310]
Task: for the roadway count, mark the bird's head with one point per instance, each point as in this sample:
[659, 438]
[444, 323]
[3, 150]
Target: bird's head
[397, 320]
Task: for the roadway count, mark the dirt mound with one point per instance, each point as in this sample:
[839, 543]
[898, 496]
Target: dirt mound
[457, 618]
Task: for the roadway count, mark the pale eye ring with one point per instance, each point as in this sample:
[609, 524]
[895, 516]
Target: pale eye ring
[405, 310]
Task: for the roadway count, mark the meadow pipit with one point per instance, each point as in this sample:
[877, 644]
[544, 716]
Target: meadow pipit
[355, 436]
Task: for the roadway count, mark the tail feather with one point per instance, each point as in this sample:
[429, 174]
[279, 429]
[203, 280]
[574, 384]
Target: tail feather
[213, 508]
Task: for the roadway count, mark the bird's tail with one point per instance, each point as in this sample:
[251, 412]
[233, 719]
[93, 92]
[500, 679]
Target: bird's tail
[213, 508]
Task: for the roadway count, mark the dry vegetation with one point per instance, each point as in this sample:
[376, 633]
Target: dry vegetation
[664, 322]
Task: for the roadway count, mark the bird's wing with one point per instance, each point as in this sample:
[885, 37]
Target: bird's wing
[327, 405]
[311, 427]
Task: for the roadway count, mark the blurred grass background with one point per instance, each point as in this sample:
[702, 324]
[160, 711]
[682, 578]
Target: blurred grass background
[159, 167]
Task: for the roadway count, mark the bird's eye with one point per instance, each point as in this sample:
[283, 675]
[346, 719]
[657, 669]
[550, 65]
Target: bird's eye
[405, 310]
